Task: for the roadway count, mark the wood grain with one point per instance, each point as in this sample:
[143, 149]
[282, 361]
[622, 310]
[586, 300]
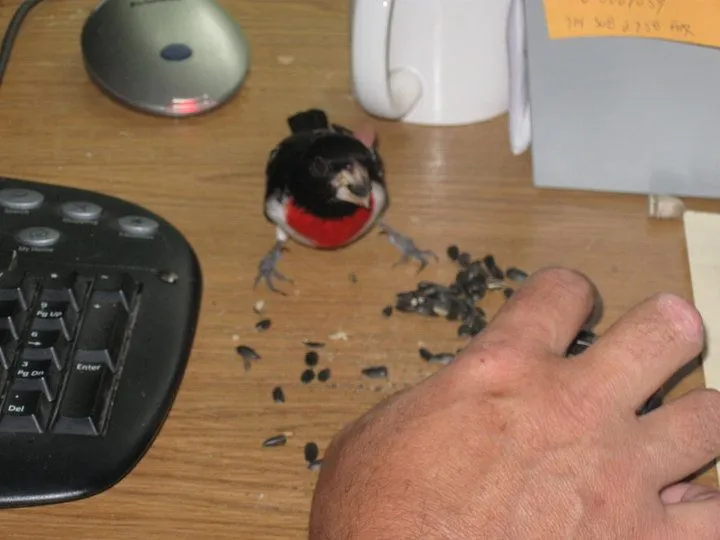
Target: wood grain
[207, 475]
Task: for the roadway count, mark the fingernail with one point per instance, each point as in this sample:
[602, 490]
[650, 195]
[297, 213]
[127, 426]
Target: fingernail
[686, 318]
[711, 494]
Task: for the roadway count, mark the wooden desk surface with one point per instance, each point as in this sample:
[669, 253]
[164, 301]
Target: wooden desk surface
[207, 475]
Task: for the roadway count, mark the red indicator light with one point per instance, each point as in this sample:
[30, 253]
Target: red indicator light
[186, 106]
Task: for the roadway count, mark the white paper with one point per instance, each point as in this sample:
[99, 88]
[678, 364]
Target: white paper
[702, 237]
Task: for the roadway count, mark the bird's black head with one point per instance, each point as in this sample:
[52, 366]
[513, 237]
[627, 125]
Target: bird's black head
[340, 172]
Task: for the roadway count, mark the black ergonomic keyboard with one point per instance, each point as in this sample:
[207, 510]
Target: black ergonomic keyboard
[99, 301]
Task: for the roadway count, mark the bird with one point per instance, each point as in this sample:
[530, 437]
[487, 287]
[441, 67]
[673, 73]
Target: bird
[325, 189]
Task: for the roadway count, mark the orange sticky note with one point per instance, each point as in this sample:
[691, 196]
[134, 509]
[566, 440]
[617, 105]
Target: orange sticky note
[688, 21]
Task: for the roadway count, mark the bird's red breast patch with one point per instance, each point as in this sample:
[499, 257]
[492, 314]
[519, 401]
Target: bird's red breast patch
[328, 233]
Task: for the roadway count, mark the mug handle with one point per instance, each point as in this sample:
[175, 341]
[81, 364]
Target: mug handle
[379, 92]
[519, 112]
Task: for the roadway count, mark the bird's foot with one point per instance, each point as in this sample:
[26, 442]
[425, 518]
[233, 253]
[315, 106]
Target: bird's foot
[407, 247]
[267, 270]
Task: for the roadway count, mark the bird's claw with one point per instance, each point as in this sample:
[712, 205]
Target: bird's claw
[421, 255]
[407, 247]
[267, 270]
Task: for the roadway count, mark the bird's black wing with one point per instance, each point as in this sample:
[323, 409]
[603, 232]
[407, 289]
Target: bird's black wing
[283, 165]
[286, 159]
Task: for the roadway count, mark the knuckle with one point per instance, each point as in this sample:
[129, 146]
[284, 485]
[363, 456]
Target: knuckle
[569, 279]
[494, 364]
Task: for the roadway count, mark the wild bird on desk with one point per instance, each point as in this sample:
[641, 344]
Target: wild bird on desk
[325, 189]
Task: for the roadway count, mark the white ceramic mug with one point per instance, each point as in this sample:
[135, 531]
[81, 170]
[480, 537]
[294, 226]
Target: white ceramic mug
[433, 62]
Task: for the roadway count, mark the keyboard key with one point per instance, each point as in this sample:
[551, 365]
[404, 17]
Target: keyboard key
[33, 369]
[58, 279]
[100, 320]
[80, 288]
[51, 309]
[34, 372]
[12, 302]
[122, 284]
[57, 299]
[58, 284]
[8, 307]
[103, 328]
[12, 314]
[24, 412]
[14, 285]
[43, 338]
[8, 346]
[47, 335]
[86, 398]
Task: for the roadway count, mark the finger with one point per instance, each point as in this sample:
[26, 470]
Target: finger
[686, 492]
[697, 520]
[682, 436]
[640, 352]
[544, 314]
[676, 493]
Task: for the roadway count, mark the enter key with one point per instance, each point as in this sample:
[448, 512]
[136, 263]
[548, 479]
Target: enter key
[84, 404]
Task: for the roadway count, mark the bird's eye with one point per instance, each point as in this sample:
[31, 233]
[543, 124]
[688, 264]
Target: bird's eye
[319, 167]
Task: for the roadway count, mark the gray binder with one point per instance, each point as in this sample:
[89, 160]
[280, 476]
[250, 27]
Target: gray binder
[622, 114]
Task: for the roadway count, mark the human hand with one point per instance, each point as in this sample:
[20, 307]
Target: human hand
[512, 440]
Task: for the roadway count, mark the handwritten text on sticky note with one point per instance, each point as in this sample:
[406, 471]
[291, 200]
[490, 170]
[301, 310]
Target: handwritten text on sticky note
[687, 21]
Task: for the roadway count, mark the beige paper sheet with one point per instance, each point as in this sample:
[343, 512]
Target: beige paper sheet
[702, 237]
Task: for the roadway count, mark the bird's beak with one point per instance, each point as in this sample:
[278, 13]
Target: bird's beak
[362, 193]
[344, 194]
[355, 188]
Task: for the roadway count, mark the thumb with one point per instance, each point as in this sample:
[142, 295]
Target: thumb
[686, 492]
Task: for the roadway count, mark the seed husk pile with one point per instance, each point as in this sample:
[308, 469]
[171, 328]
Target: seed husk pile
[459, 301]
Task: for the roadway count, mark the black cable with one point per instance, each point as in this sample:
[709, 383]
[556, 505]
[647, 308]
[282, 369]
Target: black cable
[11, 33]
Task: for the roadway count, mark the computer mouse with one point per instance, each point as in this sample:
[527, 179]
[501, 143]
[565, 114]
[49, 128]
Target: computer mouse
[166, 57]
